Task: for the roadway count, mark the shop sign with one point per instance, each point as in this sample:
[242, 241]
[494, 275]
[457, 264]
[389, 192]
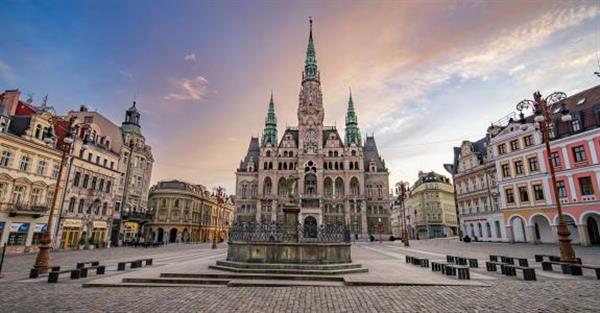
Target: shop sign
[72, 223]
[40, 228]
[19, 227]
[2, 226]
[132, 226]
[99, 224]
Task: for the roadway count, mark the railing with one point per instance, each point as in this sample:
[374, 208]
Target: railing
[280, 232]
[24, 207]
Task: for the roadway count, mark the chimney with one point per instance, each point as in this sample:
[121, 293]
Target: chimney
[11, 100]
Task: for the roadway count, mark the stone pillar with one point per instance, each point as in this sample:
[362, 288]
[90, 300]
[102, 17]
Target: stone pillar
[555, 233]
[509, 234]
[347, 212]
[531, 234]
[584, 238]
[274, 210]
[363, 219]
[257, 214]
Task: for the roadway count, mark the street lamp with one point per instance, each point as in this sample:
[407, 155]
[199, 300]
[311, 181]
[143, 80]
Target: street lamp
[402, 189]
[220, 194]
[43, 256]
[543, 117]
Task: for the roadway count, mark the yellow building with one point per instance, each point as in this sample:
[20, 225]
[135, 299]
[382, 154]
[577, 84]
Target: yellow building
[186, 212]
[29, 165]
[430, 208]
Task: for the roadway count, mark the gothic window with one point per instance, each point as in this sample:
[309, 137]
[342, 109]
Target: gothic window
[268, 186]
[253, 189]
[266, 165]
[244, 190]
[270, 165]
[310, 184]
[339, 187]
[351, 165]
[291, 166]
[280, 166]
[285, 153]
[281, 188]
[337, 167]
[72, 205]
[354, 187]
[285, 166]
[342, 166]
[356, 166]
[335, 153]
[330, 153]
[353, 152]
[328, 186]
[330, 166]
[268, 153]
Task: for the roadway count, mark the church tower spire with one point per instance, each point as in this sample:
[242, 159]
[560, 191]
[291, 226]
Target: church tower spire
[310, 65]
[270, 132]
[352, 131]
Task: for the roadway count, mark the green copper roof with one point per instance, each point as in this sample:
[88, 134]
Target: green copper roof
[352, 131]
[270, 132]
[310, 65]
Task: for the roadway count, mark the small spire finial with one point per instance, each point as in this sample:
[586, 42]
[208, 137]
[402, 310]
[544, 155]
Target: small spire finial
[134, 100]
[310, 22]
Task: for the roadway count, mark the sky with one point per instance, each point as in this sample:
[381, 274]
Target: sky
[424, 75]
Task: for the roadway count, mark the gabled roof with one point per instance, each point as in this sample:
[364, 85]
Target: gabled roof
[371, 153]
[328, 132]
[290, 131]
[252, 154]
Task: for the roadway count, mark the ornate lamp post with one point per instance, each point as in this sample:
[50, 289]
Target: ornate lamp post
[43, 256]
[402, 190]
[543, 116]
[220, 194]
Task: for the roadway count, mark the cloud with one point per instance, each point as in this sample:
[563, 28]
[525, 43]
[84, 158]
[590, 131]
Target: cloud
[190, 89]
[6, 72]
[190, 57]
[126, 74]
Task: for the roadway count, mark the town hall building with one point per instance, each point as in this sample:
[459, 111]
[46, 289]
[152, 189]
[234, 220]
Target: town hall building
[341, 179]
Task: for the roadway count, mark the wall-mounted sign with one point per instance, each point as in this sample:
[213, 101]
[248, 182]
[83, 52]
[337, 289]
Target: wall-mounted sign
[19, 227]
[72, 223]
[40, 228]
[99, 224]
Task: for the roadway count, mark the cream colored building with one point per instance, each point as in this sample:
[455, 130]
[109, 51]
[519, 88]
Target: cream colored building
[89, 198]
[28, 172]
[185, 212]
[430, 207]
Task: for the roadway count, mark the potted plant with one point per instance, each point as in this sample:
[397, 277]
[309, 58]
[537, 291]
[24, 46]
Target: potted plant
[81, 243]
[91, 245]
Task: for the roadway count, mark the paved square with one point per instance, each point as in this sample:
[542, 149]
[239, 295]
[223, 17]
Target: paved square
[552, 292]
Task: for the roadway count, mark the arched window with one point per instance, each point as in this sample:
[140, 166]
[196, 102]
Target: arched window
[337, 167]
[280, 166]
[342, 166]
[335, 153]
[81, 205]
[285, 166]
[325, 166]
[253, 189]
[281, 187]
[291, 166]
[328, 187]
[353, 152]
[72, 205]
[104, 208]
[267, 186]
[268, 153]
[38, 131]
[266, 165]
[351, 165]
[354, 187]
[330, 153]
[356, 166]
[270, 165]
[244, 190]
[285, 153]
[310, 184]
[339, 187]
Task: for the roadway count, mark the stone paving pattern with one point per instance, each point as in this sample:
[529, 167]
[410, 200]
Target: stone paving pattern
[505, 294]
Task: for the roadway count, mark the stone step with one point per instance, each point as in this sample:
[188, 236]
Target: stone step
[289, 266]
[288, 271]
[282, 283]
[178, 281]
[244, 276]
[144, 285]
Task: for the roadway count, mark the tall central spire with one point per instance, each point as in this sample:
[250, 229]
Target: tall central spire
[310, 65]
[270, 132]
[352, 131]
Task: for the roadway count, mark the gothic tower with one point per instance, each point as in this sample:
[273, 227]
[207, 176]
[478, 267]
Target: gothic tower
[270, 132]
[352, 131]
[310, 109]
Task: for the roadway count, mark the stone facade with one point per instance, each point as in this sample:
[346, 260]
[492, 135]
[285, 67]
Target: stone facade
[186, 212]
[29, 169]
[474, 176]
[430, 208]
[341, 179]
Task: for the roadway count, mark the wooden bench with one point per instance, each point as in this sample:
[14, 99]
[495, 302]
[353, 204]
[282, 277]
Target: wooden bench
[575, 269]
[511, 270]
[35, 273]
[82, 264]
[472, 262]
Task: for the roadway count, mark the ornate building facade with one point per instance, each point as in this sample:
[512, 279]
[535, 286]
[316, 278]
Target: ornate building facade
[185, 212]
[341, 179]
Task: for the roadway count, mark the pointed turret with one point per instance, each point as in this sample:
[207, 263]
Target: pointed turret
[352, 131]
[310, 65]
[270, 132]
[132, 120]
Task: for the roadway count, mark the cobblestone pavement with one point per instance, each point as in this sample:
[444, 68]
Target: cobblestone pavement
[505, 295]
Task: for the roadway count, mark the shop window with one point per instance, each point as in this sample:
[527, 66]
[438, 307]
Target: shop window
[18, 234]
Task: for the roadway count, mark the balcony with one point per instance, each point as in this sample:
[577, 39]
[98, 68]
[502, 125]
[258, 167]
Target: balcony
[140, 217]
[24, 208]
